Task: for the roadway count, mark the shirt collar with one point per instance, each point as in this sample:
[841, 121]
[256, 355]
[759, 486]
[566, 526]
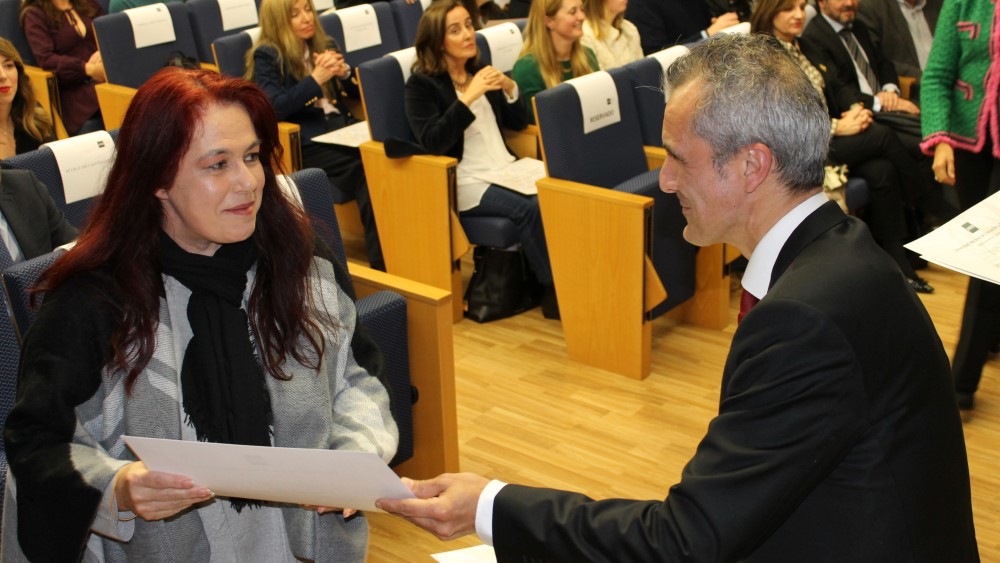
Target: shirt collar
[836, 25]
[757, 277]
[918, 5]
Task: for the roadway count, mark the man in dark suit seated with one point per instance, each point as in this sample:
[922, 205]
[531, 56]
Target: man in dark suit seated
[30, 222]
[838, 438]
[665, 23]
[903, 31]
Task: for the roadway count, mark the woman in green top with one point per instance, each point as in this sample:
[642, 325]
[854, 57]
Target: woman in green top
[552, 51]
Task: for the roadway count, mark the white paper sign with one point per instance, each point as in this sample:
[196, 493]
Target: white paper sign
[333, 478]
[474, 554]
[405, 58]
[969, 243]
[742, 27]
[237, 13]
[323, 5]
[254, 33]
[505, 43]
[351, 136]
[151, 25]
[598, 100]
[84, 162]
[360, 27]
[666, 58]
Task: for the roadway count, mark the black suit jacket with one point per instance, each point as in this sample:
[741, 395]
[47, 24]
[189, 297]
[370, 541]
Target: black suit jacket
[891, 34]
[37, 223]
[823, 47]
[438, 120]
[837, 437]
[665, 23]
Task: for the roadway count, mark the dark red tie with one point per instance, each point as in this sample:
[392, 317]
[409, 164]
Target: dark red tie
[747, 301]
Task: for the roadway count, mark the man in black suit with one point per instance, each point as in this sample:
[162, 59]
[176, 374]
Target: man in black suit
[29, 213]
[904, 38]
[865, 76]
[665, 23]
[837, 437]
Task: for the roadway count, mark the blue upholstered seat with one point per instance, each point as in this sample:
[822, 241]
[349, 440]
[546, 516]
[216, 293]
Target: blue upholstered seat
[126, 65]
[206, 24]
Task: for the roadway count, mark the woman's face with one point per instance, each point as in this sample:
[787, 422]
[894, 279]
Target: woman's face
[789, 22]
[459, 36]
[567, 23]
[303, 20]
[216, 194]
[8, 81]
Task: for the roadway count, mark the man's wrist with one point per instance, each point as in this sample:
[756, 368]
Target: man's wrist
[484, 511]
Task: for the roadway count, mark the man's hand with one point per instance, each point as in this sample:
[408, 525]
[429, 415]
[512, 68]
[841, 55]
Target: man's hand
[445, 506]
[892, 102]
[729, 19]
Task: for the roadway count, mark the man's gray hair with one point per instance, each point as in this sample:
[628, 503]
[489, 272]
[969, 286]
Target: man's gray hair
[752, 91]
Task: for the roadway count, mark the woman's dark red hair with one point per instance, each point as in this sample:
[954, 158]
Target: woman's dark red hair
[122, 231]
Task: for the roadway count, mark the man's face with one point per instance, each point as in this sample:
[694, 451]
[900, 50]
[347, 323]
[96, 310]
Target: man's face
[711, 202]
[841, 11]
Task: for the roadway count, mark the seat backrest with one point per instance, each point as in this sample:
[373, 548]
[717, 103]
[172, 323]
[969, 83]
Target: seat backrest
[314, 188]
[10, 29]
[382, 88]
[334, 27]
[10, 354]
[650, 102]
[508, 36]
[17, 280]
[230, 53]
[43, 163]
[126, 65]
[207, 23]
[407, 17]
[605, 157]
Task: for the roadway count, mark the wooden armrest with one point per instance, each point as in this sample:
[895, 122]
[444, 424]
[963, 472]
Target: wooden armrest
[602, 308]
[905, 84]
[655, 156]
[432, 370]
[210, 67]
[46, 89]
[414, 202]
[114, 100]
[524, 143]
[291, 145]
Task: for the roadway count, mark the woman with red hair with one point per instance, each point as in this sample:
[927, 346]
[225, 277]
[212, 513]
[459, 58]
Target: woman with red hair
[194, 307]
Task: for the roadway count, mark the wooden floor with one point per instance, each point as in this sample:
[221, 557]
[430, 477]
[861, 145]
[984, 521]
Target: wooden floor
[526, 414]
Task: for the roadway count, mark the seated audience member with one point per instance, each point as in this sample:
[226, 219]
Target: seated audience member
[61, 36]
[193, 307]
[870, 150]
[30, 222]
[607, 33]
[552, 51]
[836, 439]
[24, 125]
[456, 107]
[742, 8]
[902, 30]
[306, 78]
[665, 23]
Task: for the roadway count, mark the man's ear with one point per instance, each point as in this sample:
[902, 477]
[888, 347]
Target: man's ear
[758, 163]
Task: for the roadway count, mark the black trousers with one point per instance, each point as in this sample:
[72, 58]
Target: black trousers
[977, 176]
[347, 175]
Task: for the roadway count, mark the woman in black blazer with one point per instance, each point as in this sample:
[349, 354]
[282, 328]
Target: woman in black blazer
[454, 103]
[298, 67]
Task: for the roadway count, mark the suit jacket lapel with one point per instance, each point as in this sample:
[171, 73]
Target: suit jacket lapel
[23, 231]
[820, 221]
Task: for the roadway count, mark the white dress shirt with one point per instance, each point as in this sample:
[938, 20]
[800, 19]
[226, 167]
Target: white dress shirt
[921, 33]
[483, 151]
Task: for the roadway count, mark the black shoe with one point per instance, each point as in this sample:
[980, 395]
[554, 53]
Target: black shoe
[916, 261]
[964, 400]
[550, 305]
[920, 285]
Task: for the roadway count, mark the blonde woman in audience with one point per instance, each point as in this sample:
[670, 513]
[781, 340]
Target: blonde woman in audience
[196, 306]
[61, 37]
[613, 38]
[300, 69]
[456, 107]
[24, 125]
[552, 51]
[870, 150]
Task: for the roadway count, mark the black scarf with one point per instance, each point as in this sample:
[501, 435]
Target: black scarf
[225, 393]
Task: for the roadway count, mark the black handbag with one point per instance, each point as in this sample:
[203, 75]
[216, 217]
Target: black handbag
[502, 285]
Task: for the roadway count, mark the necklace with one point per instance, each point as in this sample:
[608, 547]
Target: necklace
[460, 86]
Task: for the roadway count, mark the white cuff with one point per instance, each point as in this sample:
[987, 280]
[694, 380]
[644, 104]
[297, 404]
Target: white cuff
[514, 96]
[108, 523]
[484, 511]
